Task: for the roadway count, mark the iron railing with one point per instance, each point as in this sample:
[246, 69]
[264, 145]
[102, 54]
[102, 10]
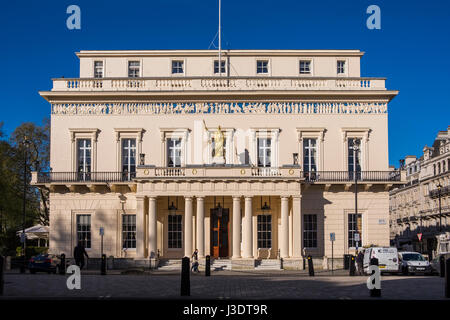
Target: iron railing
[444, 191]
[48, 177]
[309, 177]
[349, 176]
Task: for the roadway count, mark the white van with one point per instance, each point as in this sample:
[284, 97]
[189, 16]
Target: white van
[387, 259]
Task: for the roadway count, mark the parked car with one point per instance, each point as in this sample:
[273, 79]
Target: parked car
[45, 262]
[387, 259]
[414, 262]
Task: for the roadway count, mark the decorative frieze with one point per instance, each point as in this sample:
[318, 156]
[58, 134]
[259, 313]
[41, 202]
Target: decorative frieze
[219, 108]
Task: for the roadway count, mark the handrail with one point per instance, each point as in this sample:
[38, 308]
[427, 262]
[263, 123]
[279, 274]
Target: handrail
[47, 177]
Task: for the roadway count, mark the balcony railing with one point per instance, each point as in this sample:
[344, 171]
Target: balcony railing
[62, 177]
[349, 176]
[435, 193]
[216, 84]
[232, 172]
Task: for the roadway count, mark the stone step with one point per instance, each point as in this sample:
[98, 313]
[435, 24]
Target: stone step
[271, 264]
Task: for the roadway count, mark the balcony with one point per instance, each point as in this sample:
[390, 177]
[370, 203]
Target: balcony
[435, 193]
[349, 176]
[145, 173]
[217, 84]
[81, 177]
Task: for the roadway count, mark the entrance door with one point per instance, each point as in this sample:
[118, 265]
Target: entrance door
[219, 232]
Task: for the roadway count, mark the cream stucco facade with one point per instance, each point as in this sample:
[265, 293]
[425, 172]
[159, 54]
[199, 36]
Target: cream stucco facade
[422, 205]
[133, 137]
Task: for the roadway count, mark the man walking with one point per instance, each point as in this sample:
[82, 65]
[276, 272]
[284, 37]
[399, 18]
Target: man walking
[78, 253]
[359, 262]
[194, 267]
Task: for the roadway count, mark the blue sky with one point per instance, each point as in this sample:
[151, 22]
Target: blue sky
[411, 49]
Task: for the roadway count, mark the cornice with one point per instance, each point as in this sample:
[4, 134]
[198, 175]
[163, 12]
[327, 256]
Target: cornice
[250, 95]
[214, 53]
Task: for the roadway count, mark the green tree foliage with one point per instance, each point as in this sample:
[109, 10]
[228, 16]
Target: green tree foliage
[14, 154]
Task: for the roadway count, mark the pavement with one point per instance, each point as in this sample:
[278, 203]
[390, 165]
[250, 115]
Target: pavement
[259, 285]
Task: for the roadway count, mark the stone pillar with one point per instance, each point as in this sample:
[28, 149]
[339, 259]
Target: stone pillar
[152, 234]
[236, 227]
[201, 226]
[247, 232]
[297, 231]
[284, 245]
[140, 227]
[188, 227]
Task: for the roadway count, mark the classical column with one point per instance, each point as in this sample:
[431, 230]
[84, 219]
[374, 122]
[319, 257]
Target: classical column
[297, 230]
[188, 226]
[201, 226]
[140, 227]
[284, 239]
[247, 233]
[152, 235]
[236, 227]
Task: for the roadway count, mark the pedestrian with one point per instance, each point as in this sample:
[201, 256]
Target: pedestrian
[78, 253]
[194, 267]
[359, 262]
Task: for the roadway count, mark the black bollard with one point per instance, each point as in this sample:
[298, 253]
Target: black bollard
[62, 265]
[442, 266]
[185, 281]
[352, 266]
[447, 278]
[1, 275]
[103, 265]
[374, 292]
[208, 266]
[310, 266]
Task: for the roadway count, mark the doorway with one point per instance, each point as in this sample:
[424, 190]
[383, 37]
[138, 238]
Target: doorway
[220, 224]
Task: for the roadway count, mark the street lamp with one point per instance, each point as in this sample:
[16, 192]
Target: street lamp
[440, 212]
[26, 144]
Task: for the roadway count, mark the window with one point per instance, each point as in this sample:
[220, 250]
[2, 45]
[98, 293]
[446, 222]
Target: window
[341, 67]
[354, 226]
[354, 156]
[177, 67]
[175, 231]
[309, 155]
[128, 157]
[216, 66]
[265, 231]
[98, 69]
[310, 231]
[264, 146]
[174, 152]
[305, 67]
[262, 66]
[129, 231]
[84, 150]
[133, 69]
[84, 230]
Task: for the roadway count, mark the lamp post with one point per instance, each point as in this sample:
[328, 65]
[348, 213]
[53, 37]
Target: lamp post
[355, 173]
[440, 212]
[25, 143]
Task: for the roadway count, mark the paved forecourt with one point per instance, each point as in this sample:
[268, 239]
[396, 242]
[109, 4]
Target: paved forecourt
[222, 285]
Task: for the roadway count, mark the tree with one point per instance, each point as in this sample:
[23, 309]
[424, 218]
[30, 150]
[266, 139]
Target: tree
[38, 157]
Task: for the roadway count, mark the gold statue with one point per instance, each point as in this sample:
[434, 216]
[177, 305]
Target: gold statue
[218, 143]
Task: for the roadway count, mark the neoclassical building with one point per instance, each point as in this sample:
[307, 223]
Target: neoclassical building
[421, 206]
[252, 160]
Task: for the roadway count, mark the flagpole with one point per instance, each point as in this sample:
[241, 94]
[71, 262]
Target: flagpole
[220, 42]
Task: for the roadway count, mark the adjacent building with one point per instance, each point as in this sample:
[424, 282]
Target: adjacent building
[134, 151]
[420, 209]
